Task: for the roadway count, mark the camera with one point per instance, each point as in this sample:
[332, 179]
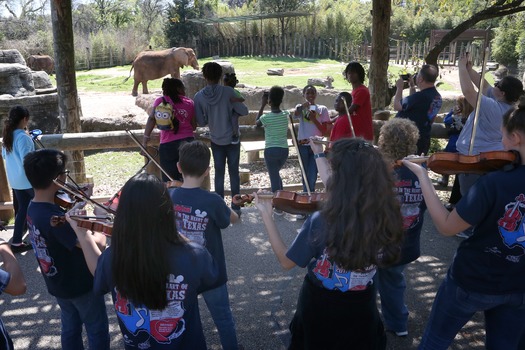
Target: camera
[313, 108]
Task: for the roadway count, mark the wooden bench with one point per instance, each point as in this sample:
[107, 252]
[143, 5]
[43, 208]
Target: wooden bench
[252, 149]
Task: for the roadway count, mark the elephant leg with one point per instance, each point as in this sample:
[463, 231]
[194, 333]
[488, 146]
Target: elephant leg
[134, 91]
[176, 74]
[145, 87]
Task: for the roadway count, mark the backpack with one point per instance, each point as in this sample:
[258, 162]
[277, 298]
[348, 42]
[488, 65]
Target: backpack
[164, 117]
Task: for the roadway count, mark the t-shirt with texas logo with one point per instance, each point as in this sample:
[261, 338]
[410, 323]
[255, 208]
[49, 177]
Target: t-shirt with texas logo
[61, 262]
[200, 216]
[178, 326]
[410, 196]
[309, 250]
[492, 261]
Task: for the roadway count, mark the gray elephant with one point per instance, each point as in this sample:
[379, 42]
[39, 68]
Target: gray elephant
[41, 62]
[151, 65]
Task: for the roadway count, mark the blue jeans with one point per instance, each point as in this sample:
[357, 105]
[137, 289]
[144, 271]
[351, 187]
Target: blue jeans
[307, 156]
[391, 285]
[226, 154]
[169, 156]
[23, 198]
[454, 306]
[88, 309]
[275, 157]
[218, 303]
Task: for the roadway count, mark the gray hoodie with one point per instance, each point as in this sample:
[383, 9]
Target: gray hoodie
[213, 108]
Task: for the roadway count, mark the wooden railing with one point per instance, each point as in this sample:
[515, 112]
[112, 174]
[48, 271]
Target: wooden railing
[121, 140]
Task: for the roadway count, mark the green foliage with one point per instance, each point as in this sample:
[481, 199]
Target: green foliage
[179, 29]
[508, 43]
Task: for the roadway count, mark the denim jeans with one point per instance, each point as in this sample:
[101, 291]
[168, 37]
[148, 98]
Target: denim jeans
[169, 156]
[454, 306]
[307, 156]
[88, 309]
[218, 303]
[223, 154]
[275, 157]
[23, 198]
[391, 285]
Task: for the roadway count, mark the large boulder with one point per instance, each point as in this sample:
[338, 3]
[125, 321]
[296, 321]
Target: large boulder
[41, 80]
[11, 56]
[16, 80]
[43, 110]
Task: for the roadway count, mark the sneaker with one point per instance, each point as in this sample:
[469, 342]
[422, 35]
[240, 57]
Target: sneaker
[235, 139]
[300, 217]
[20, 248]
[402, 334]
[463, 234]
[278, 212]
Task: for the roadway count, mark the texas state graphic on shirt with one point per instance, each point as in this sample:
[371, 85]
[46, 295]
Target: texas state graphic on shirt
[162, 325]
[192, 226]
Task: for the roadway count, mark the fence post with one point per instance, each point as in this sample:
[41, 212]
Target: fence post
[88, 58]
[110, 57]
[123, 60]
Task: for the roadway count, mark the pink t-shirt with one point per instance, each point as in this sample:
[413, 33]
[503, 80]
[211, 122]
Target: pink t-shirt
[184, 112]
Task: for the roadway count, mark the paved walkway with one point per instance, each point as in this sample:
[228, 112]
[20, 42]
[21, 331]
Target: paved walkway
[262, 295]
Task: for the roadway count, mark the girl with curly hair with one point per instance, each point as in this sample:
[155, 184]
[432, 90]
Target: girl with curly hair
[358, 229]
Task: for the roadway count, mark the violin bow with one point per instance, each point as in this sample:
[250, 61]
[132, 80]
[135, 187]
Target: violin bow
[349, 119]
[478, 102]
[82, 195]
[149, 156]
[296, 144]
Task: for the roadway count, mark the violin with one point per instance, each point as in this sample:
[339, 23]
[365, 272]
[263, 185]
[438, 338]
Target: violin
[64, 200]
[287, 201]
[454, 163]
[102, 224]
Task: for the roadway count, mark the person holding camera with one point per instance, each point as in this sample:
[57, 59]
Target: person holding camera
[422, 106]
[313, 120]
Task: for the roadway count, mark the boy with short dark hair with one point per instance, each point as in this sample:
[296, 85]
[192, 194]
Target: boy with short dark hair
[60, 257]
[200, 216]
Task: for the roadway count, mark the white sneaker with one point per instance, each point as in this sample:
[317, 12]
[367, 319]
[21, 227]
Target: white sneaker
[462, 234]
[300, 217]
[278, 212]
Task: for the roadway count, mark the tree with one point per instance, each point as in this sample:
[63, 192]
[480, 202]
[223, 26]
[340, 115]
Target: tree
[62, 21]
[499, 8]
[151, 10]
[381, 13]
[29, 9]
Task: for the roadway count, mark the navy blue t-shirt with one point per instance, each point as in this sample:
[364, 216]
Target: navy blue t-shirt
[178, 326]
[492, 261]
[200, 215]
[413, 207]
[61, 262]
[421, 107]
[309, 250]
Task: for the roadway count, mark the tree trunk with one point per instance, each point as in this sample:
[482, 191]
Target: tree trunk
[378, 74]
[61, 18]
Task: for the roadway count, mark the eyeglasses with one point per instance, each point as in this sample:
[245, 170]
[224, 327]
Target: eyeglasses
[64, 172]
[498, 84]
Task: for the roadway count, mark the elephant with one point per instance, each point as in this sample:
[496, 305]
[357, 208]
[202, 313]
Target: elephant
[41, 62]
[151, 65]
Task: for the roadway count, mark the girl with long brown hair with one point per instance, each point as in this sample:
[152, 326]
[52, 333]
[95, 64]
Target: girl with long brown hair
[358, 229]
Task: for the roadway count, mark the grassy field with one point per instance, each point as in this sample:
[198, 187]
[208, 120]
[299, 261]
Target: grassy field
[250, 71]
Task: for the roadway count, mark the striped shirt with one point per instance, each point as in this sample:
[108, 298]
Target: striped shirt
[275, 129]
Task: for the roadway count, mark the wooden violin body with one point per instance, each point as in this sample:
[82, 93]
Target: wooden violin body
[287, 201]
[97, 224]
[454, 163]
[298, 203]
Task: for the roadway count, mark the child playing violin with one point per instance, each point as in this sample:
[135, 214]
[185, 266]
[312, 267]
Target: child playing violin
[153, 273]
[341, 122]
[337, 308]
[60, 257]
[200, 216]
[488, 270]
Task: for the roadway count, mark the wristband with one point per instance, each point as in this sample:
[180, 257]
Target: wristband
[319, 155]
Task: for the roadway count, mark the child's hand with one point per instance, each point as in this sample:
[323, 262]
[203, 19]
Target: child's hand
[417, 169]
[400, 84]
[74, 225]
[264, 204]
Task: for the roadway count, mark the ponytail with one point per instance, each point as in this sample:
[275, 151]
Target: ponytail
[15, 116]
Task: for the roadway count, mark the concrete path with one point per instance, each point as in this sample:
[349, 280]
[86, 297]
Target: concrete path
[262, 295]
